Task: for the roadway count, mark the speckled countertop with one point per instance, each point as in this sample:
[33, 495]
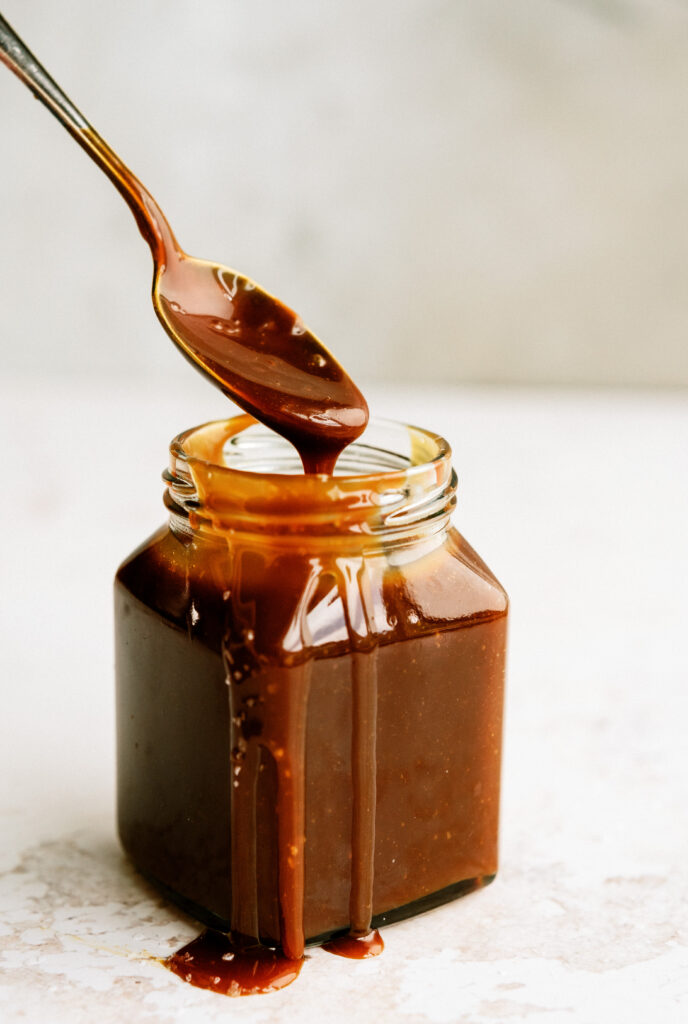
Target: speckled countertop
[579, 502]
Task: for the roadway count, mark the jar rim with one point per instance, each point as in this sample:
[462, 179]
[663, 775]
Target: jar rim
[399, 488]
[185, 446]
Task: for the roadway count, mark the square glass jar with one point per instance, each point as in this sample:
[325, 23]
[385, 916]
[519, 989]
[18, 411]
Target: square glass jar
[310, 681]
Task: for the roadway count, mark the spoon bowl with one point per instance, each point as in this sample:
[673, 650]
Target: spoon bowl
[259, 353]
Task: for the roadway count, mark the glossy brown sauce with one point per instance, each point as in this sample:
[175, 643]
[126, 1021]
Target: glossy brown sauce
[212, 961]
[259, 354]
[356, 947]
[328, 755]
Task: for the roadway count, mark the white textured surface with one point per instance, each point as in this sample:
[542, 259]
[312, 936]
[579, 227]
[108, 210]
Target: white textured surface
[499, 181]
[579, 502]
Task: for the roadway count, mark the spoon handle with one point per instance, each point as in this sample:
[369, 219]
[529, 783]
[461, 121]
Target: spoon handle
[150, 219]
[18, 58]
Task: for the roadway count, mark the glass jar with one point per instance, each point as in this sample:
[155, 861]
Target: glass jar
[309, 687]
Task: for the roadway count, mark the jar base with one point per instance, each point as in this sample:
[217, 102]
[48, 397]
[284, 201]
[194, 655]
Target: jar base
[420, 906]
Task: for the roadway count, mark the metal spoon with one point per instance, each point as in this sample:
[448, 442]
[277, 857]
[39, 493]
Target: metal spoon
[251, 345]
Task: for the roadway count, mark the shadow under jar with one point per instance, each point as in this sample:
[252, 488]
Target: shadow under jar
[309, 687]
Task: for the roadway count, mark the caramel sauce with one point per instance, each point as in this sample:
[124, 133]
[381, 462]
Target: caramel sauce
[259, 354]
[356, 947]
[328, 756]
[213, 962]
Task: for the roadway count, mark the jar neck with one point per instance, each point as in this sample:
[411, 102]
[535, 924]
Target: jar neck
[236, 479]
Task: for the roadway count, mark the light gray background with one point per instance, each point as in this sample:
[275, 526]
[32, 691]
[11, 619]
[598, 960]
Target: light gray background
[446, 190]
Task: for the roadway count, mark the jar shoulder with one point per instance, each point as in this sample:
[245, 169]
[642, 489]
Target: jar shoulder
[478, 579]
[398, 593]
[446, 586]
[154, 574]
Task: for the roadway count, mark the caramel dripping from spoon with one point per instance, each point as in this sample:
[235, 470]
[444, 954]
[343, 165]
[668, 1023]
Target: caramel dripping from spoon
[247, 342]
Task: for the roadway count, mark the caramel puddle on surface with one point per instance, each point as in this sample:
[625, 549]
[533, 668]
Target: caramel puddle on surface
[356, 947]
[213, 962]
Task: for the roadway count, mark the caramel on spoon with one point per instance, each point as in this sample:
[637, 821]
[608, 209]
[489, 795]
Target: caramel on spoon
[254, 348]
